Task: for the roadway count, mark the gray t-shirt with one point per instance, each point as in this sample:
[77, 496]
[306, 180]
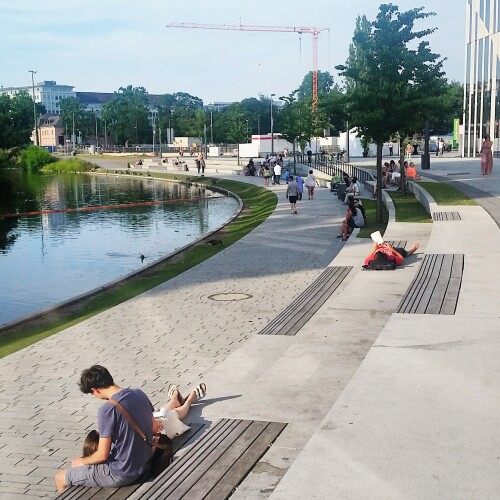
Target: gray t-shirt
[292, 188]
[129, 453]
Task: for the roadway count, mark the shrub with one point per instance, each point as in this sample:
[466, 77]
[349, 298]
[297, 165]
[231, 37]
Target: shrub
[34, 158]
[70, 165]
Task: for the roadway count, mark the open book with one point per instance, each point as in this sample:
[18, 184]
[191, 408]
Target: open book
[377, 237]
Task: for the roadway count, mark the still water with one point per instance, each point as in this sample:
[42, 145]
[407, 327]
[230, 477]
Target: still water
[49, 258]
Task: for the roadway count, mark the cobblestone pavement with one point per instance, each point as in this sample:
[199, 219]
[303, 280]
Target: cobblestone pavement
[175, 332]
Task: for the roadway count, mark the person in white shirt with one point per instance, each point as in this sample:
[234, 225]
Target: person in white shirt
[277, 173]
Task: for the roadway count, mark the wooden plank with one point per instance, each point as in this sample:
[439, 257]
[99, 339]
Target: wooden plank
[438, 294]
[450, 300]
[185, 464]
[306, 296]
[246, 462]
[428, 290]
[206, 453]
[207, 477]
[296, 315]
[416, 286]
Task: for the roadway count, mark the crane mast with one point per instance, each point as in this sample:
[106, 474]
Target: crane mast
[278, 29]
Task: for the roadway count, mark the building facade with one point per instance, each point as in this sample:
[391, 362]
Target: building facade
[482, 76]
[47, 93]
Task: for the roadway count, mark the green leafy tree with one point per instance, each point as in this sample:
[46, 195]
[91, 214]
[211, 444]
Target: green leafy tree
[393, 83]
[325, 84]
[450, 106]
[236, 118]
[16, 120]
[127, 116]
[34, 158]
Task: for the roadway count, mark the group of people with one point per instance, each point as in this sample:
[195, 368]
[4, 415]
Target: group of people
[117, 455]
[295, 189]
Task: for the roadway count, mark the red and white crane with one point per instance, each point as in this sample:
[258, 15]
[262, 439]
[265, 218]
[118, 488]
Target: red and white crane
[280, 29]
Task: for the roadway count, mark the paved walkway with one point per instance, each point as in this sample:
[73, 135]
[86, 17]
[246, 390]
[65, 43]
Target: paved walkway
[318, 381]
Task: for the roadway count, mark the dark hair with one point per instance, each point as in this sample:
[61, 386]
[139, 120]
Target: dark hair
[380, 256]
[291, 177]
[91, 443]
[310, 171]
[354, 178]
[352, 208]
[95, 377]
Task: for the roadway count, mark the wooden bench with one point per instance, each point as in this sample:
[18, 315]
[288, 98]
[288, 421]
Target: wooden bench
[217, 464]
[436, 287]
[211, 468]
[300, 311]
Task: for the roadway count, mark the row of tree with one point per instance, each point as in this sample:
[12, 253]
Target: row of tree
[389, 90]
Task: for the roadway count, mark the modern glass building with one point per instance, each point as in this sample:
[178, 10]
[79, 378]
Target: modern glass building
[482, 76]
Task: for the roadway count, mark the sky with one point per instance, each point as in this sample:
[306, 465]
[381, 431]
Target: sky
[100, 46]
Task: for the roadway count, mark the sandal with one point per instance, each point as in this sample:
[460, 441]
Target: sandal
[200, 390]
[171, 389]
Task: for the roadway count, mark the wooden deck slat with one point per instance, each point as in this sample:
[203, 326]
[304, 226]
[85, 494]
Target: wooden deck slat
[176, 489]
[210, 440]
[435, 303]
[246, 462]
[436, 286]
[451, 297]
[329, 274]
[417, 284]
[296, 315]
[203, 480]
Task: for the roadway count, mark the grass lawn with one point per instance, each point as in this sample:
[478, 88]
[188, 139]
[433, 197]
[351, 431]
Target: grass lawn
[408, 208]
[370, 207]
[444, 194]
[258, 204]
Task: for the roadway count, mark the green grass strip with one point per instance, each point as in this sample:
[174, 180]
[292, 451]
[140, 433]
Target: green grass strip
[408, 208]
[444, 194]
[258, 205]
[370, 207]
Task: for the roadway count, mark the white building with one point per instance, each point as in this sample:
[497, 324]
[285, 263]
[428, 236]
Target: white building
[482, 76]
[48, 93]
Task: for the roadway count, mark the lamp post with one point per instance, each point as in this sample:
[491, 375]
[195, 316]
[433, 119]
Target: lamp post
[96, 134]
[272, 125]
[34, 106]
[154, 130]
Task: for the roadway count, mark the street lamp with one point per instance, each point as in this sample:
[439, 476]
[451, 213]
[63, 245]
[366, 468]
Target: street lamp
[34, 106]
[272, 125]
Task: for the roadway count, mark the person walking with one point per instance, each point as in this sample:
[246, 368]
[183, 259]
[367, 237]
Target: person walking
[486, 156]
[300, 182]
[292, 193]
[311, 184]
[266, 173]
[277, 173]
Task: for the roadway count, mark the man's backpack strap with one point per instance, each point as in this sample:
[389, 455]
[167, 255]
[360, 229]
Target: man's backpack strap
[134, 425]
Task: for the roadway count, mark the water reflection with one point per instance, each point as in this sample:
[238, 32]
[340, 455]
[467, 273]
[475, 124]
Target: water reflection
[49, 258]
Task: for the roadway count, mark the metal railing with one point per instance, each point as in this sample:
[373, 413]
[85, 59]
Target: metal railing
[333, 167]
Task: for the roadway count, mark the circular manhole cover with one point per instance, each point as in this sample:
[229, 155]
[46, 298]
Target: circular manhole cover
[230, 297]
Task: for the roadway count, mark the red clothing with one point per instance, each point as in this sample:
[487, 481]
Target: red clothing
[389, 251]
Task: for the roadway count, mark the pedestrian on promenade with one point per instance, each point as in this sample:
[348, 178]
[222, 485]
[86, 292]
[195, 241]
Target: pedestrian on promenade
[266, 174]
[300, 182]
[277, 173]
[486, 156]
[409, 151]
[292, 193]
[311, 183]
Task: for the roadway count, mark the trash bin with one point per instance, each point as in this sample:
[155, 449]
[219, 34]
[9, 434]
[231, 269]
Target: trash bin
[341, 191]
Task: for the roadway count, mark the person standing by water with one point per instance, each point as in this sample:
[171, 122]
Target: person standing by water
[486, 156]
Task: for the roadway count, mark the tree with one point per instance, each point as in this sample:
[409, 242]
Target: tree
[325, 84]
[73, 111]
[16, 120]
[390, 87]
[127, 115]
[450, 106]
[236, 121]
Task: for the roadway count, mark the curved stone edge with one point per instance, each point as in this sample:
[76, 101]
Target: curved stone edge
[45, 314]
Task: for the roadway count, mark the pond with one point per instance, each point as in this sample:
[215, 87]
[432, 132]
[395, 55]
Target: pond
[101, 228]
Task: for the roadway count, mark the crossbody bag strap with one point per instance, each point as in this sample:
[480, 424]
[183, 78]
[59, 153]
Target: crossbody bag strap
[133, 424]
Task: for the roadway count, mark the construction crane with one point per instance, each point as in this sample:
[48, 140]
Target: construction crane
[280, 29]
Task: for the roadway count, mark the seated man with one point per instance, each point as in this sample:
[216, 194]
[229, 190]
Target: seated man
[385, 251]
[122, 456]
